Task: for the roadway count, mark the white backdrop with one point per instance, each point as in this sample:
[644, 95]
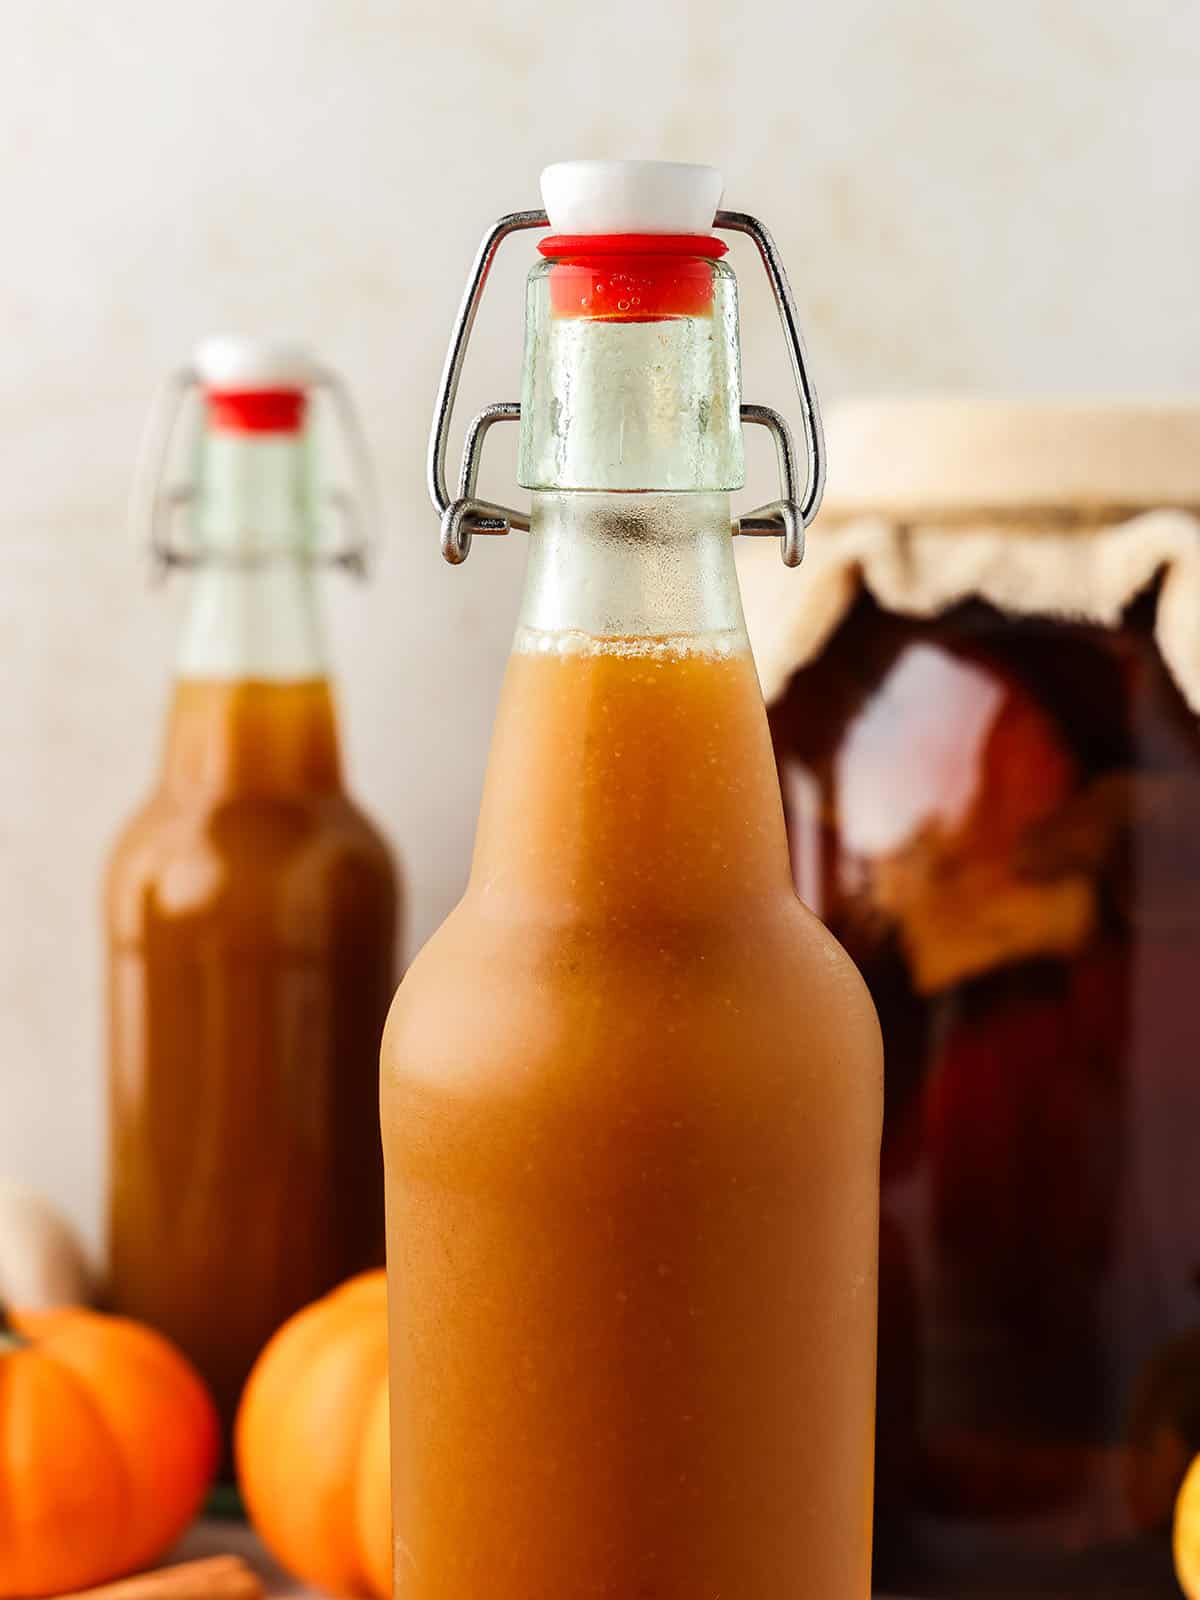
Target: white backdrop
[968, 194]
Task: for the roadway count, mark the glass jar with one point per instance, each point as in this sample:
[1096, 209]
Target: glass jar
[984, 705]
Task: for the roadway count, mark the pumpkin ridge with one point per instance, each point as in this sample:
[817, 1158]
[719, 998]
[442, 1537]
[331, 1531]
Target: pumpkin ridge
[20, 1560]
[368, 1399]
[357, 1349]
[311, 1396]
[372, 1463]
[154, 1363]
[83, 1393]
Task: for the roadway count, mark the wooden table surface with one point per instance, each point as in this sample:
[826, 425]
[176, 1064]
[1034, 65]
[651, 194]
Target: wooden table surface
[233, 1538]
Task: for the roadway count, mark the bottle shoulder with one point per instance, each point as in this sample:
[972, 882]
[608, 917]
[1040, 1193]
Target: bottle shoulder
[766, 1008]
[367, 837]
[310, 853]
[776, 933]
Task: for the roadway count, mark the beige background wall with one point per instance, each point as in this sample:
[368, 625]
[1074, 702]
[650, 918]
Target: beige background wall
[968, 193]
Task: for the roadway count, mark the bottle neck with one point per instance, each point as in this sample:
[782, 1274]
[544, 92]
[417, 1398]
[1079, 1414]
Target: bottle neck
[253, 613]
[634, 396]
[252, 711]
[230, 737]
[636, 567]
[632, 781]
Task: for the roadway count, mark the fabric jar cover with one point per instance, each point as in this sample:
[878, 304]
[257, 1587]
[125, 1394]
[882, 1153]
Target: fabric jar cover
[1040, 509]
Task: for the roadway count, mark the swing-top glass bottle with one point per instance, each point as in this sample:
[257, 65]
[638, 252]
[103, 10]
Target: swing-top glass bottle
[631, 1088]
[251, 912]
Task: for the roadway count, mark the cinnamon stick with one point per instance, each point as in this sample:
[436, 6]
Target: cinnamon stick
[213, 1578]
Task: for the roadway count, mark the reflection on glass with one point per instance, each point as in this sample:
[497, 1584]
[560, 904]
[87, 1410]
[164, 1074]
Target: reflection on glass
[1001, 821]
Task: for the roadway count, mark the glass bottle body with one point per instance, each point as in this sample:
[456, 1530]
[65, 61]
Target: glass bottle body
[251, 915]
[631, 1105]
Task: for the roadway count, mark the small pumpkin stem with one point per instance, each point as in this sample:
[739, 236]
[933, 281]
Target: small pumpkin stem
[10, 1339]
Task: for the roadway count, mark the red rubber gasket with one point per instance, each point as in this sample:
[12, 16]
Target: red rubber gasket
[631, 277]
[555, 245]
[257, 410]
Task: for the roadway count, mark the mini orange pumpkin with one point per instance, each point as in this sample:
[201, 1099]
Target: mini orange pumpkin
[1186, 1539]
[108, 1445]
[312, 1442]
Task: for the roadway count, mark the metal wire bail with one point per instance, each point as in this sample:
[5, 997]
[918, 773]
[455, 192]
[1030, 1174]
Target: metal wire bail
[156, 506]
[464, 516]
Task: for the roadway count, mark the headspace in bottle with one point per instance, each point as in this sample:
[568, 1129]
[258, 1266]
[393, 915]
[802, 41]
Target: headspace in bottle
[251, 912]
[631, 1089]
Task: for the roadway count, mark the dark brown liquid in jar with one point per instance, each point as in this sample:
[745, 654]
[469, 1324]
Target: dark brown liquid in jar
[1000, 819]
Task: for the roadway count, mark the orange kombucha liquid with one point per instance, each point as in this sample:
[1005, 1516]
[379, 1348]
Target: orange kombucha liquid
[631, 1112]
[251, 915]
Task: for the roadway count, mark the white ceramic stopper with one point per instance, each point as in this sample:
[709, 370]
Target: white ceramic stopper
[238, 363]
[631, 196]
